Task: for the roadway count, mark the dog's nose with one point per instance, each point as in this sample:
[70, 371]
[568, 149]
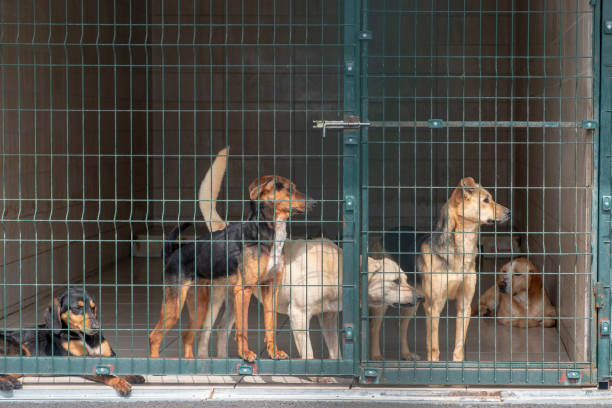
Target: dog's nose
[310, 202]
[94, 325]
[419, 298]
[502, 287]
[507, 212]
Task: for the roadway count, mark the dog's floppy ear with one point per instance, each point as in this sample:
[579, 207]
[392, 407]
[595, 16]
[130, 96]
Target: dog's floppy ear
[465, 189]
[258, 185]
[375, 265]
[52, 317]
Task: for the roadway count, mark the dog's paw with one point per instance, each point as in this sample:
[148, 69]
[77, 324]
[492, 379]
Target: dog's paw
[410, 356]
[280, 355]
[249, 356]
[121, 386]
[134, 379]
[8, 384]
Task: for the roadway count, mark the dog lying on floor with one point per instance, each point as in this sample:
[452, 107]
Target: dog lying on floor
[518, 298]
[70, 329]
[311, 284]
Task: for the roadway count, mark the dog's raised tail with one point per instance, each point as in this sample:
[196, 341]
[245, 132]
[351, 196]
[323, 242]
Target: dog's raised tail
[170, 245]
[209, 191]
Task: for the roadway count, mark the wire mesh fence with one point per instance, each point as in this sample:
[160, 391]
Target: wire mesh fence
[475, 177]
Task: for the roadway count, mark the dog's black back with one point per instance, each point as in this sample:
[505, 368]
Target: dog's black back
[403, 245]
[217, 254]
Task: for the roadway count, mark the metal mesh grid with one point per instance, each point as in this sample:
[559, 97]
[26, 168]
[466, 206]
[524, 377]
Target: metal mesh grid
[111, 113]
[499, 91]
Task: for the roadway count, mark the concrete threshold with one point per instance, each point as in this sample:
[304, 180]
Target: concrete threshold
[300, 394]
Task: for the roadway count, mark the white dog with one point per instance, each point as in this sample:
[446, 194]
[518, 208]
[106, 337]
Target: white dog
[311, 285]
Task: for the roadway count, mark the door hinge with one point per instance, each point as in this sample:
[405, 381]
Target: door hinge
[339, 124]
[600, 297]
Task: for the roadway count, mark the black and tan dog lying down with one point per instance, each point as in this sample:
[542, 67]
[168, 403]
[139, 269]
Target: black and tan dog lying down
[71, 328]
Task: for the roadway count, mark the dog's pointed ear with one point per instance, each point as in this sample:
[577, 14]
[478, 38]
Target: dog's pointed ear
[258, 186]
[466, 188]
[53, 318]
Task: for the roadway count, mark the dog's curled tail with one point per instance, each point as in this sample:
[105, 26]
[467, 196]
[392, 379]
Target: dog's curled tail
[209, 191]
[170, 245]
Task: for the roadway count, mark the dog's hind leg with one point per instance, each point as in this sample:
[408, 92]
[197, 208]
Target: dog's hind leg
[407, 315]
[376, 319]
[217, 297]
[197, 313]
[300, 321]
[329, 323]
[169, 315]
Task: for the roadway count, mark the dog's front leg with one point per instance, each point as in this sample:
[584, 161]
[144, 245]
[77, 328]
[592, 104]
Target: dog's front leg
[433, 309]
[120, 385]
[198, 309]
[217, 296]
[407, 315]
[270, 301]
[242, 298]
[464, 311]
[376, 319]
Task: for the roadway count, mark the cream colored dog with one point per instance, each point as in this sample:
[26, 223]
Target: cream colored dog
[311, 284]
[519, 299]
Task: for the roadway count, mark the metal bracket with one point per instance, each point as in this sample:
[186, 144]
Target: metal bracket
[604, 327]
[349, 332]
[589, 124]
[572, 375]
[246, 369]
[600, 297]
[370, 372]
[607, 26]
[435, 123]
[338, 124]
[365, 35]
[104, 369]
[606, 203]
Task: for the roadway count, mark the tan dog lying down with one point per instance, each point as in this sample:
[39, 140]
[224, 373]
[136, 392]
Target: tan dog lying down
[519, 286]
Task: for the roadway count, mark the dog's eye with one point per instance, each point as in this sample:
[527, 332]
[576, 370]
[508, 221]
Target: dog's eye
[397, 281]
[486, 200]
[279, 186]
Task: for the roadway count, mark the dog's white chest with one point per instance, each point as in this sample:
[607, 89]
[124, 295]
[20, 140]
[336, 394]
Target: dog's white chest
[276, 258]
[521, 299]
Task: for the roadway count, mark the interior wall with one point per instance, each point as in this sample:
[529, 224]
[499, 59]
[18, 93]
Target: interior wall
[254, 76]
[426, 63]
[66, 134]
[554, 167]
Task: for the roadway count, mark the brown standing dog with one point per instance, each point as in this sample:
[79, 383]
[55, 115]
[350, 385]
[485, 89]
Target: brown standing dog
[446, 263]
[243, 255]
[520, 299]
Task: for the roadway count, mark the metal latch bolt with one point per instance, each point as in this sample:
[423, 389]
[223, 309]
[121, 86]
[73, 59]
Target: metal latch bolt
[338, 124]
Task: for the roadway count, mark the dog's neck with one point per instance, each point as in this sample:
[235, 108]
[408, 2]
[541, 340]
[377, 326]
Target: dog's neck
[280, 235]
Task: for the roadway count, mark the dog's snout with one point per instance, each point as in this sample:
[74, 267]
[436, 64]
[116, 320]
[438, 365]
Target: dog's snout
[310, 202]
[418, 297]
[507, 213]
[502, 287]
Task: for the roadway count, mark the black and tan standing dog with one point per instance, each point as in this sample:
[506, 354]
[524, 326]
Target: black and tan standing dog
[243, 255]
[445, 262]
[71, 328]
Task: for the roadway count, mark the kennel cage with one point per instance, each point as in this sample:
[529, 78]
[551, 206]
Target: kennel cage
[112, 112]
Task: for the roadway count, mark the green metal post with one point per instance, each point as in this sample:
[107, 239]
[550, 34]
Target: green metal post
[603, 59]
[350, 293]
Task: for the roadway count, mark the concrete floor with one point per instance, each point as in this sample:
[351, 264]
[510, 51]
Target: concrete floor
[129, 307]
